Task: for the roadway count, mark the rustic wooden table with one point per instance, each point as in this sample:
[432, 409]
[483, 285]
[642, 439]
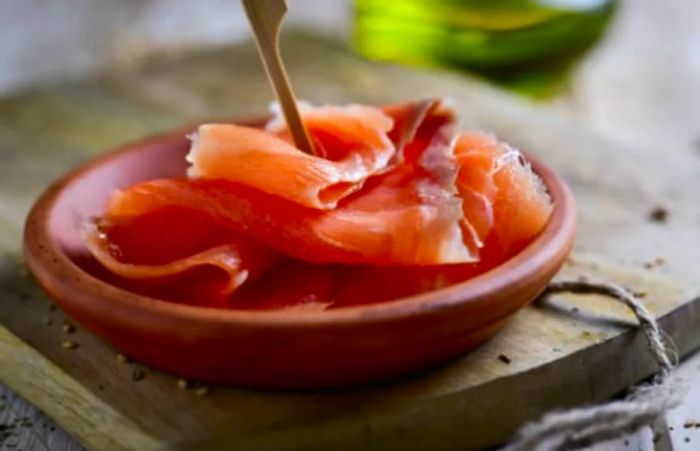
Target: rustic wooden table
[639, 88]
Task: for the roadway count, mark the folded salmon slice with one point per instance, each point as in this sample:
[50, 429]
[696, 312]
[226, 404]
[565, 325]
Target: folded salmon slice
[172, 241]
[412, 233]
[505, 205]
[416, 204]
[351, 142]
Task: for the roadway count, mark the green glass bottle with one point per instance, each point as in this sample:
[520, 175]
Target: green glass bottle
[521, 43]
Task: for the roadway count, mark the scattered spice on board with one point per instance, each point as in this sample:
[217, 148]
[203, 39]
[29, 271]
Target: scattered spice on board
[658, 261]
[504, 358]
[101, 387]
[689, 424]
[68, 328]
[202, 391]
[52, 307]
[137, 374]
[184, 384]
[687, 439]
[122, 359]
[574, 309]
[69, 344]
[658, 214]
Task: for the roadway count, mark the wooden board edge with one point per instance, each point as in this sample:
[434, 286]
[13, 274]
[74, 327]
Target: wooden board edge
[454, 422]
[76, 409]
[98, 426]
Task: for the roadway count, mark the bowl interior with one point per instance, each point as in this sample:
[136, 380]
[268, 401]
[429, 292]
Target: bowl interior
[85, 196]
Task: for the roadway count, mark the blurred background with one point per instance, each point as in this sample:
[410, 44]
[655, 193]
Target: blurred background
[642, 60]
[502, 38]
[43, 40]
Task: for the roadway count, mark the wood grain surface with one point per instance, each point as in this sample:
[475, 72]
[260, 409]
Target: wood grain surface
[559, 355]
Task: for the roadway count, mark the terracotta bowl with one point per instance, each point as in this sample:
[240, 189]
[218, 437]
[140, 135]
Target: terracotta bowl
[273, 349]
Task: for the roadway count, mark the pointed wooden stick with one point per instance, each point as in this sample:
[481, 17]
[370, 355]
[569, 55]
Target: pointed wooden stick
[265, 17]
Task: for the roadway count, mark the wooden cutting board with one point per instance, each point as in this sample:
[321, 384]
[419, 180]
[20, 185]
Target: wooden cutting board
[557, 353]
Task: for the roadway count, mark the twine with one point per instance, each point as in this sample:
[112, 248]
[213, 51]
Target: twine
[584, 426]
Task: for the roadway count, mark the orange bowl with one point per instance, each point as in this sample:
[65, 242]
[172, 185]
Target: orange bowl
[273, 349]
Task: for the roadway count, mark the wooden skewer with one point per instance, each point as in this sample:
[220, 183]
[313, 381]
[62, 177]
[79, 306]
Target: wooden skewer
[265, 17]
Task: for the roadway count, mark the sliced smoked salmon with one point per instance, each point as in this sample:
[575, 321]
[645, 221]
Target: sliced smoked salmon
[395, 187]
[503, 200]
[411, 233]
[352, 141]
[172, 241]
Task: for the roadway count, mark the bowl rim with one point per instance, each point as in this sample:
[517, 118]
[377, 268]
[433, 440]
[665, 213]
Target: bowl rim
[44, 253]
